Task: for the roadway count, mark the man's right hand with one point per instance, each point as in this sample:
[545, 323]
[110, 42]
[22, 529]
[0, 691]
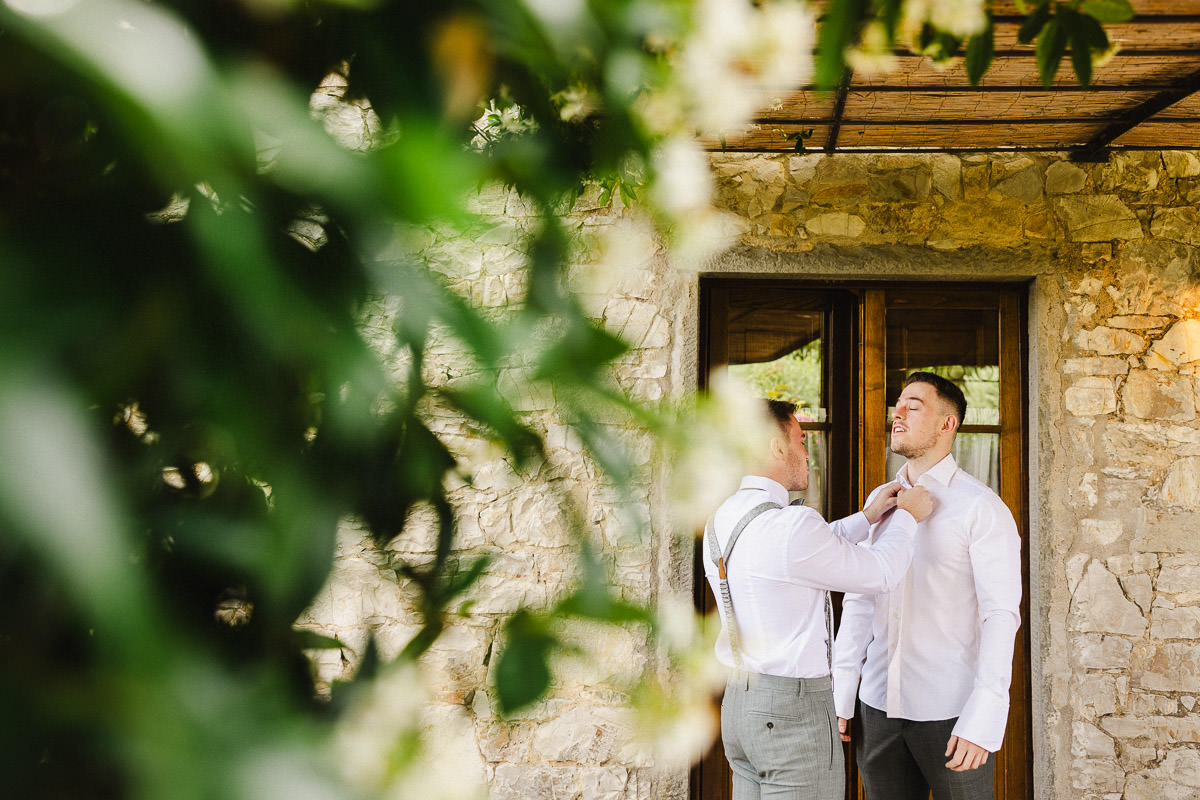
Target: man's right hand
[884, 501]
[916, 501]
[844, 728]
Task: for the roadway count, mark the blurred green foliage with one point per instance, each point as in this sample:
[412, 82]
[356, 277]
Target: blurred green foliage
[794, 377]
[188, 403]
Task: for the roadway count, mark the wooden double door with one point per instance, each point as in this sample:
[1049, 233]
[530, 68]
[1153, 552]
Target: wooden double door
[841, 352]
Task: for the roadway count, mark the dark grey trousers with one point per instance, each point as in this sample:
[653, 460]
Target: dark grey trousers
[900, 759]
[781, 738]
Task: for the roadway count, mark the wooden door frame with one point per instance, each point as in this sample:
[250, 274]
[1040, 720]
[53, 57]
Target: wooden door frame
[1014, 767]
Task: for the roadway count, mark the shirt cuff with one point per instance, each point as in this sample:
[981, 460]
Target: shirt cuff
[983, 719]
[845, 692]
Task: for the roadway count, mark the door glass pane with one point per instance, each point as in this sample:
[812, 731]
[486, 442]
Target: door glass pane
[779, 354]
[963, 347]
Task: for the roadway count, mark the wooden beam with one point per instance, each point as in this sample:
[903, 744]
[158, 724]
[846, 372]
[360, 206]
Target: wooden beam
[839, 105]
[1097, 148]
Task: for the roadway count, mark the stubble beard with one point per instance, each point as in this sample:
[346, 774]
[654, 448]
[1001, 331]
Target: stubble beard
[913, 450]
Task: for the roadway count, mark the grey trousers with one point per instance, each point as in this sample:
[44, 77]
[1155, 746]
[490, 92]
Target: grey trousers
[781, 738]
[900, 759]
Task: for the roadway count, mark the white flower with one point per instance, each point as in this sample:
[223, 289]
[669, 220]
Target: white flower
[959, 17]
[703, 234]
[623, 251]
[873, 55]
[683, 181]
[575, 102]
[724, 437]
[739, 54]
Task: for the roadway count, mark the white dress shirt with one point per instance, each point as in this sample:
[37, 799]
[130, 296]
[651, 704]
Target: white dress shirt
[780, 569]
[941, 645]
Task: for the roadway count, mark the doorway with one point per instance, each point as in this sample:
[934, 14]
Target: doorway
[841, 351]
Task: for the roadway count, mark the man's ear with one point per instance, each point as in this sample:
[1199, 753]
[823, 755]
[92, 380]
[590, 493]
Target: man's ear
[778, 448]
[951, 424]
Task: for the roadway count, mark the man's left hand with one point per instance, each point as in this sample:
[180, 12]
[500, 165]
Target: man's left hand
[964, 755]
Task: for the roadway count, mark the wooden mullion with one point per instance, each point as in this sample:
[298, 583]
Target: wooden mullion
[1015, 777]
[873, 416]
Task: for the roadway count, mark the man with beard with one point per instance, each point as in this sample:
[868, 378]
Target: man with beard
[935, 654]
[777, 716]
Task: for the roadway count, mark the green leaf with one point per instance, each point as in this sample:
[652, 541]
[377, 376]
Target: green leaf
[523, 671]
[464, 577]
[836, 34]
[1051, 44]
[1081, 53]
[981, 49]
[583, 349]
[1033, 24]
[1109, 10]
[483, 403]
[311, 640]
[889, 15]
[1093, 32]
[628, 194]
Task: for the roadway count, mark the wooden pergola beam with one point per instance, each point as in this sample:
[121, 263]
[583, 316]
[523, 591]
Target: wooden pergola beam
[1096, 149]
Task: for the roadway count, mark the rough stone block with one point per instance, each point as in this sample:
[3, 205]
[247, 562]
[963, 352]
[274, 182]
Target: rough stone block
[1155, 395]
[1102, 532]
[1090, 742]
[1063, 177]
[1181, 164]
[1181, 488]
[1100, 606]
[1094, 696]
[1100, 774]
[1139, 589]
[1178, 578]
[1176, 224]
[1175, 623]
[1097, 218]
[1138, 321]
[1169, 667]
[1163, 730]
[1025, 185]
[836, 223]
[1179, 345]
[1166, 533]
[581, 735]
[1094, 651]
[947, 176]
[1109, 341]
[605, 783]
[1091, 396]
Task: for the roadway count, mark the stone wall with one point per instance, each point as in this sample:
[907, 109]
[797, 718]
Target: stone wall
[1110, 250]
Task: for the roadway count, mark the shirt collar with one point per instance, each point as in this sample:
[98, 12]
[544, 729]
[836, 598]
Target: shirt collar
[942, 472]
[774, 489]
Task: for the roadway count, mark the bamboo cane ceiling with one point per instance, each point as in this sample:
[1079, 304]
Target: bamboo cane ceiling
[1145, 98]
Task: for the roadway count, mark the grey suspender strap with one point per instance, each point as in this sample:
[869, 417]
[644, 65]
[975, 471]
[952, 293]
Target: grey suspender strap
[720, 559]
[828, 618]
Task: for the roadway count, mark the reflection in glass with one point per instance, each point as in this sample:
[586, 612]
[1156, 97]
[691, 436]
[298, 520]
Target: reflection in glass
[795, 376]
[818, 462]
[961, 346]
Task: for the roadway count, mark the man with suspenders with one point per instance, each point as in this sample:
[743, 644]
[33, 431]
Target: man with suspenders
[777, 718]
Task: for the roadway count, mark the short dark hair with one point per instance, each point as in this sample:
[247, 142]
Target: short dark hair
[781, 411]
[947, 390]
